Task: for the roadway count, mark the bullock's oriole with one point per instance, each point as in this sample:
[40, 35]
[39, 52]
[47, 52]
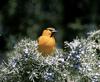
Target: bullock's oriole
[46, 42]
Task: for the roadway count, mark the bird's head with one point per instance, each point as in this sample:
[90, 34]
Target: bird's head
[49, 32]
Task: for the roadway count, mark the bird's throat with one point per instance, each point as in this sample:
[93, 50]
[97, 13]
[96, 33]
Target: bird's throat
[52, 34]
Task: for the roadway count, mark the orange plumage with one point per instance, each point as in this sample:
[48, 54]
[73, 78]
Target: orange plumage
[46, 42]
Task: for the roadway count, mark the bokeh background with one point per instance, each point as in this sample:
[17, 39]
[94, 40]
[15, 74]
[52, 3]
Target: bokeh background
[27, 18]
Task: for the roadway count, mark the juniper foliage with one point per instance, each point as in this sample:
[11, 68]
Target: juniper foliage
[78, 62]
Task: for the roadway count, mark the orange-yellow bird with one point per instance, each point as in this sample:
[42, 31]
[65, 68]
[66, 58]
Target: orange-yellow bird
[46, 42]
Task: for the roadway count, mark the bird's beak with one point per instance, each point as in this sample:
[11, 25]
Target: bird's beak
[53, 32]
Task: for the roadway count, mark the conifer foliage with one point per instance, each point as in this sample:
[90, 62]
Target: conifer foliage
[78, 62]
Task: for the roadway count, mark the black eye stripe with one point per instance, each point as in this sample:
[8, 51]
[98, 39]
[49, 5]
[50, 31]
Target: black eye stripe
[49, 29]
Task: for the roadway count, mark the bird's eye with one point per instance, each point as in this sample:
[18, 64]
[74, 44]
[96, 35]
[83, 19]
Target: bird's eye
[50, 29]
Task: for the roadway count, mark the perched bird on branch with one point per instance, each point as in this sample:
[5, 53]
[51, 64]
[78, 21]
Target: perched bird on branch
[46, 42]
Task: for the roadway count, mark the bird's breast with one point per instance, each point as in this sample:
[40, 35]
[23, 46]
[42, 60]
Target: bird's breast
[46, 44]
[46, 41]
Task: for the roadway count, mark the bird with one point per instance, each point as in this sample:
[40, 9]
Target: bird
[47, 42]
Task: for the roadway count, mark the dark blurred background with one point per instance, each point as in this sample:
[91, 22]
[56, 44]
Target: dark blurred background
[27, 18]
